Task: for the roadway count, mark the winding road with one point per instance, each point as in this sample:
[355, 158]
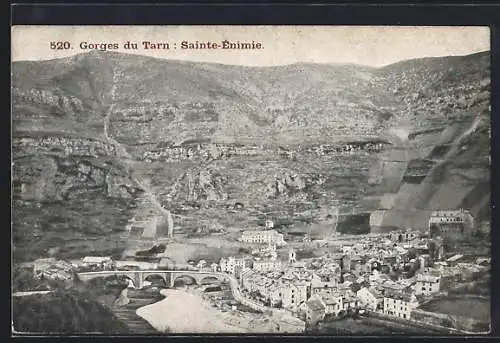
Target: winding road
[125, 156]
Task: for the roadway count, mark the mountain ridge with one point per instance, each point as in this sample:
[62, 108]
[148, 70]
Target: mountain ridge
[299, 139]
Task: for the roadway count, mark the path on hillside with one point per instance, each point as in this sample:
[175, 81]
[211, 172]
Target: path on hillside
[126, 157]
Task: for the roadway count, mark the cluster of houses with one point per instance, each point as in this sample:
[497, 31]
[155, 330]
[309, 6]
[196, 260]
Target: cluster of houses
[390, 274]
[54, 269]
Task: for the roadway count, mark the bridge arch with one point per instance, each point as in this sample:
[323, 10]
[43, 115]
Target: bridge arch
[131, 279]
[209, 279]
[183, 278]
[151, 277]
[136, 282]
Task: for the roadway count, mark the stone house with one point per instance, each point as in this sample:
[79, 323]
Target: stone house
[370, 299]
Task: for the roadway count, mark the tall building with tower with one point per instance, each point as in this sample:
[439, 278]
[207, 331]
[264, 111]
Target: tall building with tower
[292, 256]
[170, 226]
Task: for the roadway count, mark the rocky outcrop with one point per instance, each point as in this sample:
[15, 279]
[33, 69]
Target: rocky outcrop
[50, 178]
[285, 184]
[120, 187]
[159, 110]
[206, 185]
[66, 146]
[211, 151]
[253, 130]
[63, 103]
[122, 299]
[443, 105]
[456, 178]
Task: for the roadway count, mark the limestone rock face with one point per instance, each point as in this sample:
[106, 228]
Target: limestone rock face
[209, 136]
[205, 185]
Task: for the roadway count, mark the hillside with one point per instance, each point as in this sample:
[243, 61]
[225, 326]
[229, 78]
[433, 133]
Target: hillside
[102, 137]
[441, 158]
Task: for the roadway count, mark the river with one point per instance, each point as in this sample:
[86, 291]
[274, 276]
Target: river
[186, 311]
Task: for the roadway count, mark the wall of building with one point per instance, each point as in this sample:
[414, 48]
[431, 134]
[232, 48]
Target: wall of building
[425, 287]
[397, 308]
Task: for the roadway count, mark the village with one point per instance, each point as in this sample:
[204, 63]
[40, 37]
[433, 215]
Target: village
[387, 275]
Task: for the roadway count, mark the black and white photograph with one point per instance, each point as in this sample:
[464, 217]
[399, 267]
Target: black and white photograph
[306, 180]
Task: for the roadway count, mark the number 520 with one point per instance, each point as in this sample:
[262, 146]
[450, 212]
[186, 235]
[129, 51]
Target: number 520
[60, 45]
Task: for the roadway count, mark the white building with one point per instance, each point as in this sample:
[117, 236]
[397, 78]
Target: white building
[293, 294]
[399, 304]
[427, 284]
[332, 303]
[263, 237]
[451, 223]
[370, 299]
[98, 261]
[232, 264]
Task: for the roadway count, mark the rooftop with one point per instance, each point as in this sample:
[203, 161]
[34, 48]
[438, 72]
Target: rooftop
[427, 278]
[96, 259]
[455, 258]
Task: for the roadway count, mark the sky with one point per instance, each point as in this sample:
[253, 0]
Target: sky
[367, 45]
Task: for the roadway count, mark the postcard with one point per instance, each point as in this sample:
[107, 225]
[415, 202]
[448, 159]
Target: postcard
[329, 180]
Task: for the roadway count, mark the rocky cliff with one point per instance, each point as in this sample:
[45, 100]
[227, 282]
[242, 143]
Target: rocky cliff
[441, 153]
[100, 138]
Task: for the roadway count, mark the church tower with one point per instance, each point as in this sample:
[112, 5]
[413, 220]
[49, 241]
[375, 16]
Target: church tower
[292, 257]
[170, 226]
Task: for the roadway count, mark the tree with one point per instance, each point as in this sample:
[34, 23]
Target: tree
[434, 230]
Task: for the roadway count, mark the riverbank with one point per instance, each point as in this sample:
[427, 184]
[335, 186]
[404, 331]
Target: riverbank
[126, 313]
[186, 311]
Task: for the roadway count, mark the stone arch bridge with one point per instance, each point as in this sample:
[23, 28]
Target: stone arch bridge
[169, 276]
